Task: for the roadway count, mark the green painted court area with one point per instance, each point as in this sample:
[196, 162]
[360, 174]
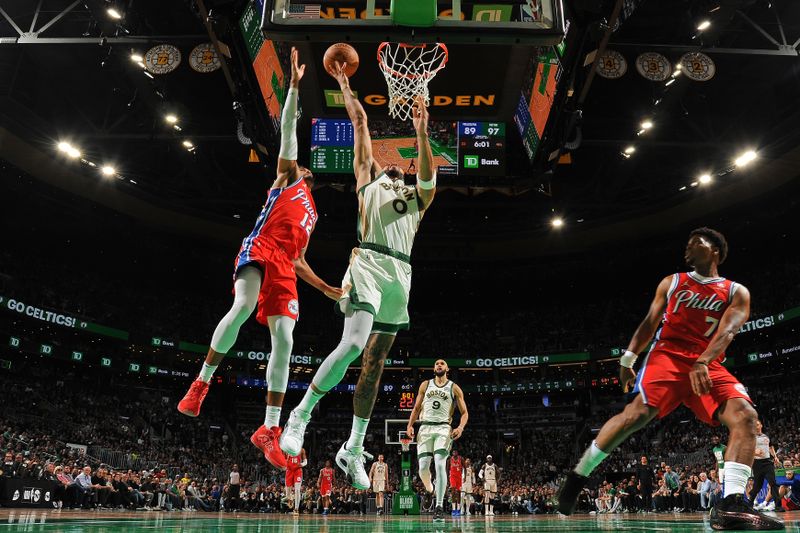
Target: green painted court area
[109, 522]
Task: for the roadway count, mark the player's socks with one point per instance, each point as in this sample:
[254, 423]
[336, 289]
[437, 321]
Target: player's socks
[590, 460]
[736, 475]
[309, 401]
[207, 372]
[357, 432]
[273, 416]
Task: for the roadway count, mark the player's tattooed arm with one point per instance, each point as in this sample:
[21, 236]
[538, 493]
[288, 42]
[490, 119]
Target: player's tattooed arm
[462, 408]
[417, 408]
[305, 272]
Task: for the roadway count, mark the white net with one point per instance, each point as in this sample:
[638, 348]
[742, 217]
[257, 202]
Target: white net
[408, 69]
[405, 444]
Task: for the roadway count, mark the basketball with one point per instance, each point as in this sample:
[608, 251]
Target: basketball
[343, 53]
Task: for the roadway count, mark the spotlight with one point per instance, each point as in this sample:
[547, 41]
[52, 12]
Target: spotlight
[136, 58]
[171, 119]
[670, 82]
[74, 153]
[108, 170]
[630, 149]
[676, 73]
[141, 64]
[557, 222]
[177, 128]
[646, 125]
[745, 158]
[148, 75]
[693, 184]
[705, 179]
[704, 25]
[682, 188]
[113, 13]
[188, 144]
[64, 146]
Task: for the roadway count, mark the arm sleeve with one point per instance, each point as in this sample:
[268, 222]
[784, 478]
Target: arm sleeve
[289, 127]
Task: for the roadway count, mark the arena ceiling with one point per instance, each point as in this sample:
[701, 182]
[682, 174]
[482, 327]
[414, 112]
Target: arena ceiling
[76, 81]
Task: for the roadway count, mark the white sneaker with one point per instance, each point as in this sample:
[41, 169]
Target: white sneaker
[293, 434]
[352, 462]
[770, 506]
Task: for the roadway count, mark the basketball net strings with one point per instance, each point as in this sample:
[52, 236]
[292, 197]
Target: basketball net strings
[407, 70]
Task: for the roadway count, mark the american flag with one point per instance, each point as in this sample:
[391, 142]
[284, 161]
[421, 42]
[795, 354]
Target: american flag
[304, 11]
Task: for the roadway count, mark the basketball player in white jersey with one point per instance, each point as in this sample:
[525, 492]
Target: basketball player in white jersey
[376, 284]
[489, 476]
[434, 407]
[467, 486]
[379, 477]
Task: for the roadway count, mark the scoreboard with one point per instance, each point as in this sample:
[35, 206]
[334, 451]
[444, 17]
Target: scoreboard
[479, 150]
[406, 402]
[482, 148]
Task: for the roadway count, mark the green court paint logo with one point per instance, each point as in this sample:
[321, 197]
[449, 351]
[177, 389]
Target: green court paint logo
[335, 98]
[491, 12]
[471, 161]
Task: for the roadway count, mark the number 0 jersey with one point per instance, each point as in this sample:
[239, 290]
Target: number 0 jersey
[389, 214]
[286, 220]
[695, 305]
[438, 405]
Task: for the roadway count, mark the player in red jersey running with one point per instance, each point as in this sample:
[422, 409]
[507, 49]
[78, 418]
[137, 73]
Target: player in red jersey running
[265, 274]
[325, 485]
[699, 313]
[455, 483]
[294, 479]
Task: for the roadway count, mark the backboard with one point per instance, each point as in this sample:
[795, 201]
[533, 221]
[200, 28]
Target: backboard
[394, 429]
[527, 22]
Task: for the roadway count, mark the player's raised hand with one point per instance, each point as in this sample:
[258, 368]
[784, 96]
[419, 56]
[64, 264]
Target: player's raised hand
[420, 115]
[626, 378]
[338, 72]
[700, 379]
[297, 69]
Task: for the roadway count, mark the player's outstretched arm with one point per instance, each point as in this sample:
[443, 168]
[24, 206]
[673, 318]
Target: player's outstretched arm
[462, 408]
[426, 174]
[416, 410]
[731, 322]
[288, 170]
[364, 165]
[643, 334]
[304, 272]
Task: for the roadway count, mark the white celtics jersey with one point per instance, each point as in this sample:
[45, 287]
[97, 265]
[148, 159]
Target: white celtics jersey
[380, 471]
[438, 405]
[390, 214]
[490, 472]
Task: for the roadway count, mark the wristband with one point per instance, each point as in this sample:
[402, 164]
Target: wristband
[427, 185]
[628, 359]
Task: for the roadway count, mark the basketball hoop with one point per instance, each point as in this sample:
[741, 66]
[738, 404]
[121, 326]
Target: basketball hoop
[408, 68]
[405, 443]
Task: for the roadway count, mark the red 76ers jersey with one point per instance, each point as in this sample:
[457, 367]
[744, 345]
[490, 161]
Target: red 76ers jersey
[695, 305]
[286, 220]
[327, 476]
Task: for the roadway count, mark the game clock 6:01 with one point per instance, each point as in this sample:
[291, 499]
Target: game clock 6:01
[406, 401]
[482, 148]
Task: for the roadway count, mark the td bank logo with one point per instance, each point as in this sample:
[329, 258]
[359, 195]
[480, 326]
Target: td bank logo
[471, 161]
[335, 98]
[752, 357]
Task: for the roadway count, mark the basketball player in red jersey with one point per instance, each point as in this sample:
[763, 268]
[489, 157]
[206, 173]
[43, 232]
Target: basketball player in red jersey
[455, 483]
[699, 313]
[294, 479]
[266, 271]
[325, 485]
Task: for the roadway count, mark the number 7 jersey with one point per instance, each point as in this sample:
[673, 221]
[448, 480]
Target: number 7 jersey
[695, 305]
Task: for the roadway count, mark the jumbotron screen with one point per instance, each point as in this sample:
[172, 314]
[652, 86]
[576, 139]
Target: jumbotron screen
[464, 148]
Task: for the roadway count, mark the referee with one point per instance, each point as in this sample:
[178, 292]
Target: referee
[764, 468]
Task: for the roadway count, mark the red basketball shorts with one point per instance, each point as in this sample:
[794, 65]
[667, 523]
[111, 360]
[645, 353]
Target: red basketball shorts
[325, 490]
[293, 477]
[455, 482]
[663, 382]
[278, 295]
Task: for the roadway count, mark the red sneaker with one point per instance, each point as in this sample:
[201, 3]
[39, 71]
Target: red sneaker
[266, 440]
[190, 405]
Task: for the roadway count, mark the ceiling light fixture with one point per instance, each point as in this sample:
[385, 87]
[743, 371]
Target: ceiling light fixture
[557, 222]
[108, 170]
[704, 25]
[113, 13]
[745, 158]
[136, 58]
[646, 125]
[171, 119]
[630, 149]
[705, 179]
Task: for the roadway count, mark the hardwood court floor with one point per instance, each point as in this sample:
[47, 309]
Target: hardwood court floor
[109, 522]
